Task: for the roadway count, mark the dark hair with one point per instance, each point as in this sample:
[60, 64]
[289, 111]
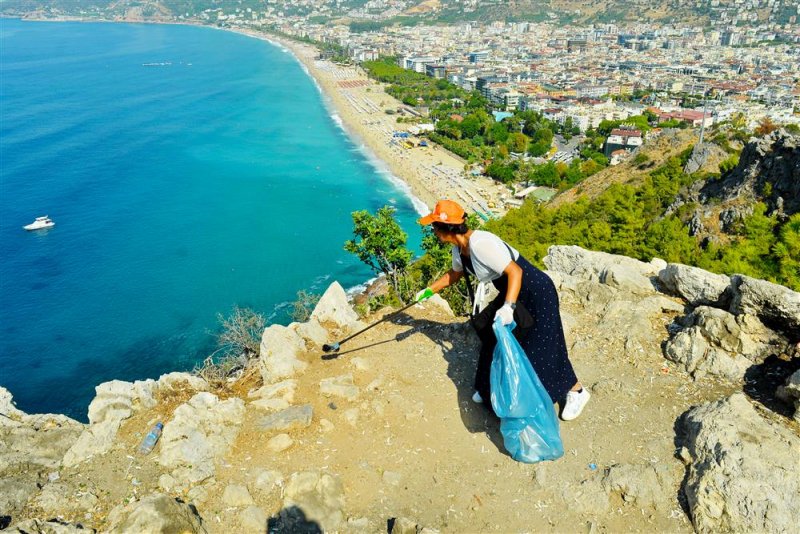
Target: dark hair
[460, 228]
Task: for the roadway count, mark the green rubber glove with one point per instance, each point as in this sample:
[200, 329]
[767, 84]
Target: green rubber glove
[425, 294]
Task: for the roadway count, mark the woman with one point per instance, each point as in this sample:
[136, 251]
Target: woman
[527, 296]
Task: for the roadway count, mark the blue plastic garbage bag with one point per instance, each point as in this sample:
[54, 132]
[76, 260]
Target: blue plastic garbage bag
[527, 416]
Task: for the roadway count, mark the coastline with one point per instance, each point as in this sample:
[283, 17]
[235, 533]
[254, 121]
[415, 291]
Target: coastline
[358, 104]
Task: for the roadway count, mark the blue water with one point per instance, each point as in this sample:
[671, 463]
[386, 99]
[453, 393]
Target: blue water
[178, 190]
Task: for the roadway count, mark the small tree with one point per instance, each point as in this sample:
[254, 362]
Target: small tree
[380, 243]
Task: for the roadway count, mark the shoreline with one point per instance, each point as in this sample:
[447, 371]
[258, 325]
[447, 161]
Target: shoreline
[357, 104]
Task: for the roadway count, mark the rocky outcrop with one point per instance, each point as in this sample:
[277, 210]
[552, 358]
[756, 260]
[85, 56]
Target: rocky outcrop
[31, 451]
[116, 401]
[697, 286]
[197, 436]
[773, 159]
[718, 343]
[156, 513]
[773, 304]
[367, 432]
[743, 473]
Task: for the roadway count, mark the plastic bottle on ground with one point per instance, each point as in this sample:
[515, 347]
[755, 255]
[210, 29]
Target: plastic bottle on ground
[150, 439]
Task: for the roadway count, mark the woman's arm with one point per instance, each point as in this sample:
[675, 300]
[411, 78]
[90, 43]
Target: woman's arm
[514, 273]
[447, 279]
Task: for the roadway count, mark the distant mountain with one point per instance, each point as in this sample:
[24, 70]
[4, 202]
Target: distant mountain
[720, 12]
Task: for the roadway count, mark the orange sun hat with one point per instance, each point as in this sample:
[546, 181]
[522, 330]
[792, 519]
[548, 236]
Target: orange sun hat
[445, 211]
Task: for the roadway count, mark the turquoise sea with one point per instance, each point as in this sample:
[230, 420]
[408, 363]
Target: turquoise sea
[188, 170]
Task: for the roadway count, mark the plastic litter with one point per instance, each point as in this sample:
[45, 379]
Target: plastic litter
[528, 419]
[150, 440]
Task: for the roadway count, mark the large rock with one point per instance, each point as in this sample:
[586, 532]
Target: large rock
[775, 305]
[53, 526]
[114, 402]
[617, 271]
[279, 353]
[334, 308]
[31, 447]
[199, 434]
[721, 344]
[744, 473]
[318, 496]
[156, 513]
[695, 285]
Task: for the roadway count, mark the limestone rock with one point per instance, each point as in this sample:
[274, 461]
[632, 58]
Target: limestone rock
[319, 496]
[199, 433]
[265, 480]
[743, 477]
[696, 285]
[171, 382]
[114, 402]
[280, 348]
[253, 519]
[293, 417]
[438, 302]
[235, 495]
[280, 443]
[334, 308]
[156, 513]
[590, 264]
[311, 331]
[274, 397]
[627, 278]
[339, 386]
[775, 305]
[31, 447]
[721, 344]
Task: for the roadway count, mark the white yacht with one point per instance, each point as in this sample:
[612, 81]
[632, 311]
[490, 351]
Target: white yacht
[40, 223]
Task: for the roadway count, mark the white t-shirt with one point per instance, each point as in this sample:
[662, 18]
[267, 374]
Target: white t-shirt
[489, 256]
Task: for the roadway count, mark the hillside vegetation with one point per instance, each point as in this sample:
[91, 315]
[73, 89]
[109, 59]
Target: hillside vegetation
[650, 219]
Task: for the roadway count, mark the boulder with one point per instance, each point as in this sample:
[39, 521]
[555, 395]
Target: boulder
[591, 265]
[253, 519]
[156, 513]
[31, 447]
[235, 495]
[311, 331]
[292, 417]
[334, 308]
[743, 474]
[339, 386]
[721, 344]
[627, 278]
[200, 433]
[280, 348]
[695, 285]
[775, 305]
[273, 397]
[319, 496]
[114, 402]
[172, 382]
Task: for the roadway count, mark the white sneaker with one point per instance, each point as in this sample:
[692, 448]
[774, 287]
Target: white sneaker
[476, 398]
[574, 405]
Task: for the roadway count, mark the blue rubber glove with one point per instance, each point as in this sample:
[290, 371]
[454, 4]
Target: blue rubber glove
[425, 294]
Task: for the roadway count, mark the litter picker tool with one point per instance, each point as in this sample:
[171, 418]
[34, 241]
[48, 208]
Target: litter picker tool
[334, 347]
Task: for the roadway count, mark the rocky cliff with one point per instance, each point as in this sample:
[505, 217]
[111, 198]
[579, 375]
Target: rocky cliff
[694, 424]
[768, 171]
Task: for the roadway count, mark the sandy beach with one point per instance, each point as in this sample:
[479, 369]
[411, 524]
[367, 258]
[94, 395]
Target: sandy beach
[431, 172]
